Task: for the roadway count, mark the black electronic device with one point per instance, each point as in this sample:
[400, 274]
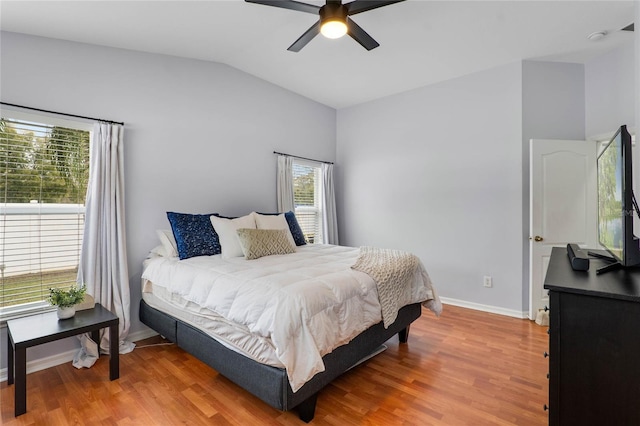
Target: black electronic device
[616, 202]
[578, 258]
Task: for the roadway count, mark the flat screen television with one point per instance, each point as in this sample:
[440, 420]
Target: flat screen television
[616, 202]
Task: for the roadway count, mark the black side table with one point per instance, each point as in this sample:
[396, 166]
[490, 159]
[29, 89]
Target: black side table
[36, 329]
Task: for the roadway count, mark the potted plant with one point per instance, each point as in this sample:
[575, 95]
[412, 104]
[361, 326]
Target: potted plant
[66, 300]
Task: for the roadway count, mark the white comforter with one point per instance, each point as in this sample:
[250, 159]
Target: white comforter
[306, 303]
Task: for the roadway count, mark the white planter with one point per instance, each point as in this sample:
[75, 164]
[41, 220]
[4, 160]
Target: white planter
[66, 312]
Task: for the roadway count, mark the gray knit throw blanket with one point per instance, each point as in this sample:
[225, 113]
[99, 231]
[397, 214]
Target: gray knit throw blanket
[391, 270]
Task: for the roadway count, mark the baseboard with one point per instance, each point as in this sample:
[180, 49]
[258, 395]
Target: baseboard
[61, 358]
[141, 335]
[486, 308]
[44, 363]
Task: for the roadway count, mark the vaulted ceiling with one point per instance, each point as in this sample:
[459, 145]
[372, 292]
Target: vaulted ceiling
[421, 42]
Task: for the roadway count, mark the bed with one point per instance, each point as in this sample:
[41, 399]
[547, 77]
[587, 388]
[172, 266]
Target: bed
[284, 324]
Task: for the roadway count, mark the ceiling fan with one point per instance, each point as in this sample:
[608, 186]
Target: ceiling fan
[334, 19]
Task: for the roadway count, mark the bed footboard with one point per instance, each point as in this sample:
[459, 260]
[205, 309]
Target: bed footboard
[268, 383]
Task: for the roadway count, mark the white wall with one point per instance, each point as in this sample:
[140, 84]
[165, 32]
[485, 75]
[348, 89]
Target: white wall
[610, 81]
[199, 136]
[446, 169]
[553, 107]
[438, 171]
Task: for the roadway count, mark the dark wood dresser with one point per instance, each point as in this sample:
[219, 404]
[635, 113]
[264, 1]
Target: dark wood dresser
[594, 346]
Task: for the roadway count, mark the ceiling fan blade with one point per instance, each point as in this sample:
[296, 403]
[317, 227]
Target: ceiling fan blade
[305, 38]
[360, 6]
[360, 35]
[289, 4]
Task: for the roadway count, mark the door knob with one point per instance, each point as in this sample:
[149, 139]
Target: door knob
[538, 238]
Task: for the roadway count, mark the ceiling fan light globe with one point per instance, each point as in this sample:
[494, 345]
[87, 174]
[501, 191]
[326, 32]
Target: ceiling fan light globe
[333, 28]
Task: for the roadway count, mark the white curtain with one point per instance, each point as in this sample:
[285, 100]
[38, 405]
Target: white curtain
[103, 260]
[329, 217]
[284, 184]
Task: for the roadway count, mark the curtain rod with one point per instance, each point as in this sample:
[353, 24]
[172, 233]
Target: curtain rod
[62, 113]
[302, 158]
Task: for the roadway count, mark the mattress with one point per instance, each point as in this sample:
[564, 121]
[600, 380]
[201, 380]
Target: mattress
[285, 310]
[232, 336]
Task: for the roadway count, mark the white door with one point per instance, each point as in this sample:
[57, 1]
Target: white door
[563, 203]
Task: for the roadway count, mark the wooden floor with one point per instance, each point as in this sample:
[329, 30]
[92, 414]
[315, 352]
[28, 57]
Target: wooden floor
[464, 368]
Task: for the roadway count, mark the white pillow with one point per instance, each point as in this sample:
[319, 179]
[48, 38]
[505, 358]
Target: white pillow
[227, 232]
[271, 221]
[159, 251]
[168, 242]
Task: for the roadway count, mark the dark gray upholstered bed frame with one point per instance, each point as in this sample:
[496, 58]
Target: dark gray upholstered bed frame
[271, 384]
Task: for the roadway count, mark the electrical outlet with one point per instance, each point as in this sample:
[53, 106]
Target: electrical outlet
[487, 281]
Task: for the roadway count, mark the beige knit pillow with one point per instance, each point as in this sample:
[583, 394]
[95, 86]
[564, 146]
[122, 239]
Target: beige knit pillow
[257, 243]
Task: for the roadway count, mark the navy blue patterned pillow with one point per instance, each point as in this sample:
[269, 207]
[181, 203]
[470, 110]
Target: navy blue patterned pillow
[294, 227]
[194, 234]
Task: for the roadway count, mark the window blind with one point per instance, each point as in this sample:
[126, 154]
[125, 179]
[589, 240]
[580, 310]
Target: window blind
[44, 170]
[306, 196]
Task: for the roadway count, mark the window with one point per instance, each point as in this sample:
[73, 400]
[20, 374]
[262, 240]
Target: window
[307, 195]
[44, 171]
